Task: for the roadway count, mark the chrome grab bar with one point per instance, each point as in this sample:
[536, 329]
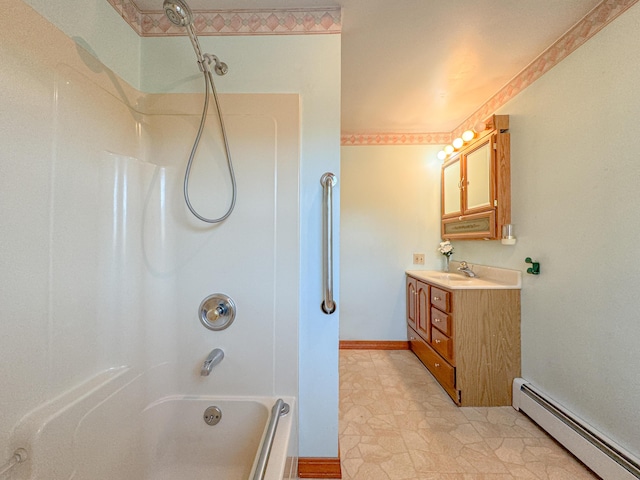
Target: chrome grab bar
[19, 456]
[328, 181]
[279, 409]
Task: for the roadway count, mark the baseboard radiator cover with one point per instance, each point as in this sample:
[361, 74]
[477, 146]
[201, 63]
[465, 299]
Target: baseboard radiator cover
[595, 450]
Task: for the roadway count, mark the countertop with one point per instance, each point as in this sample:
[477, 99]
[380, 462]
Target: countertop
[487, 278]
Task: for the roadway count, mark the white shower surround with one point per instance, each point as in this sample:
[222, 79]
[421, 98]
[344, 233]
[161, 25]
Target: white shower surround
[71, 348]
[108, 267]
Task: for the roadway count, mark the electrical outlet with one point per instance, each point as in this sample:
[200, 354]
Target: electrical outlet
[418, 258]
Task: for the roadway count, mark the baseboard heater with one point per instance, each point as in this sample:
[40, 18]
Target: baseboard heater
[596, 451]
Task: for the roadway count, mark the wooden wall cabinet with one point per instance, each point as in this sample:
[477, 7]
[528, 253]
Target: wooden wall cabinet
[468, 339]
[476, 185]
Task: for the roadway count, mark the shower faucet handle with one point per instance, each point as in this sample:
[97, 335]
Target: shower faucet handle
[217, 311]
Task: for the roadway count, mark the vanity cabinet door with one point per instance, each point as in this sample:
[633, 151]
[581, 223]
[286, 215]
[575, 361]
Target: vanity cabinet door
[412, 302]
[423, 311]
[418, 307]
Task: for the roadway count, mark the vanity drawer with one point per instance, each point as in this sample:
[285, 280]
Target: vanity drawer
[442, 343]
[441, 321]
[444, 373]
[440, 299]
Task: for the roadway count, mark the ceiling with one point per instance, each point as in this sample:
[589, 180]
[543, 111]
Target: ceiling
[415, 66]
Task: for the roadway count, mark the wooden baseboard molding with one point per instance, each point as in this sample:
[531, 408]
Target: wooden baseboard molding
[374, 345]
[316, 467]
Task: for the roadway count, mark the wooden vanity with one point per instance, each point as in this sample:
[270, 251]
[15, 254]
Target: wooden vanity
[467, 336]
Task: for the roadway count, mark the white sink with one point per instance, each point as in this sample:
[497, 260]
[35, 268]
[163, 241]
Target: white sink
[452, 277]
[486, 278]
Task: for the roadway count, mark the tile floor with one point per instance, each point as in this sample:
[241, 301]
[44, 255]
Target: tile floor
[397, 423]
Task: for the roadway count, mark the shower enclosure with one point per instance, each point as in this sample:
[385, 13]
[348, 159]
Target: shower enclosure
[104, 267]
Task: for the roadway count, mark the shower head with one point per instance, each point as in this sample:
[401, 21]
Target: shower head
[178, 12]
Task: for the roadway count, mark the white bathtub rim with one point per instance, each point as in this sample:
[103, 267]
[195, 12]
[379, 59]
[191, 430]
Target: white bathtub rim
[267, 401]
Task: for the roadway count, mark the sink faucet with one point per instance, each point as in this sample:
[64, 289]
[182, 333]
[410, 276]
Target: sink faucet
[214, 358]
[464, 268]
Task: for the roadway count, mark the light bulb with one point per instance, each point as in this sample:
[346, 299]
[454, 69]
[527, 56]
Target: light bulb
[480, 127]
[468, 135]
[442, 155]
[448, 149]
[457, 143]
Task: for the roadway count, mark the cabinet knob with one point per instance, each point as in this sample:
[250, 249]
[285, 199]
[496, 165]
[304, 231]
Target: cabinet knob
[412, 338]
[438, 340]
[437, 320]
[436, 299]
[437, 365]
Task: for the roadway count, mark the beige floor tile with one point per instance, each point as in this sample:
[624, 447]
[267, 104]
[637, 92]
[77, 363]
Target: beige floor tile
[396, 423]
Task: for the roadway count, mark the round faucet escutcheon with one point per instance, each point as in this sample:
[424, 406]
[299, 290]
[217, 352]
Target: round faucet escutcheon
[217, 311]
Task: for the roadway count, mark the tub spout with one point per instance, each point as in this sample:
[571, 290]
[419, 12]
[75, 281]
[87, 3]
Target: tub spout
[214, 358]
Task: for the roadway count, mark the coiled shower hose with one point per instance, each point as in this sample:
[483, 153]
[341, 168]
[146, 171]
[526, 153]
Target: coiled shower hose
[208, 81]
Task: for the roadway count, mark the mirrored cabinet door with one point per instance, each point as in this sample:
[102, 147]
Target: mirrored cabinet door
[451, 194]
[477, 178]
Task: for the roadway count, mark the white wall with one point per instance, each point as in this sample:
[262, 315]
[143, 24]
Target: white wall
[575, 175]
[390, 210]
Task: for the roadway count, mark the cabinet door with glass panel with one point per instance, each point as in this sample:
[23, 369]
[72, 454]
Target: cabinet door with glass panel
[476, 195]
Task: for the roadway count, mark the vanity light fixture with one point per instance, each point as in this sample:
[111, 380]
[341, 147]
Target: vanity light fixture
[459, 142]
[468, 135]
[480, 127]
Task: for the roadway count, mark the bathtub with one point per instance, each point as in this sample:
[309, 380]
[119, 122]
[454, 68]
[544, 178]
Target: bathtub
[106, 430]
[182, 445]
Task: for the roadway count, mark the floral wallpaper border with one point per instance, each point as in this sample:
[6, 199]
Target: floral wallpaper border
[603, 14]
[328, 21]
[241, 22]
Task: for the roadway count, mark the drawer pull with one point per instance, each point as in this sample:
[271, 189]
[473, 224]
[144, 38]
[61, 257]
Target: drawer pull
[436, 299]
[437, 320]
[412, 338]
[437, 365]
[438, 340]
